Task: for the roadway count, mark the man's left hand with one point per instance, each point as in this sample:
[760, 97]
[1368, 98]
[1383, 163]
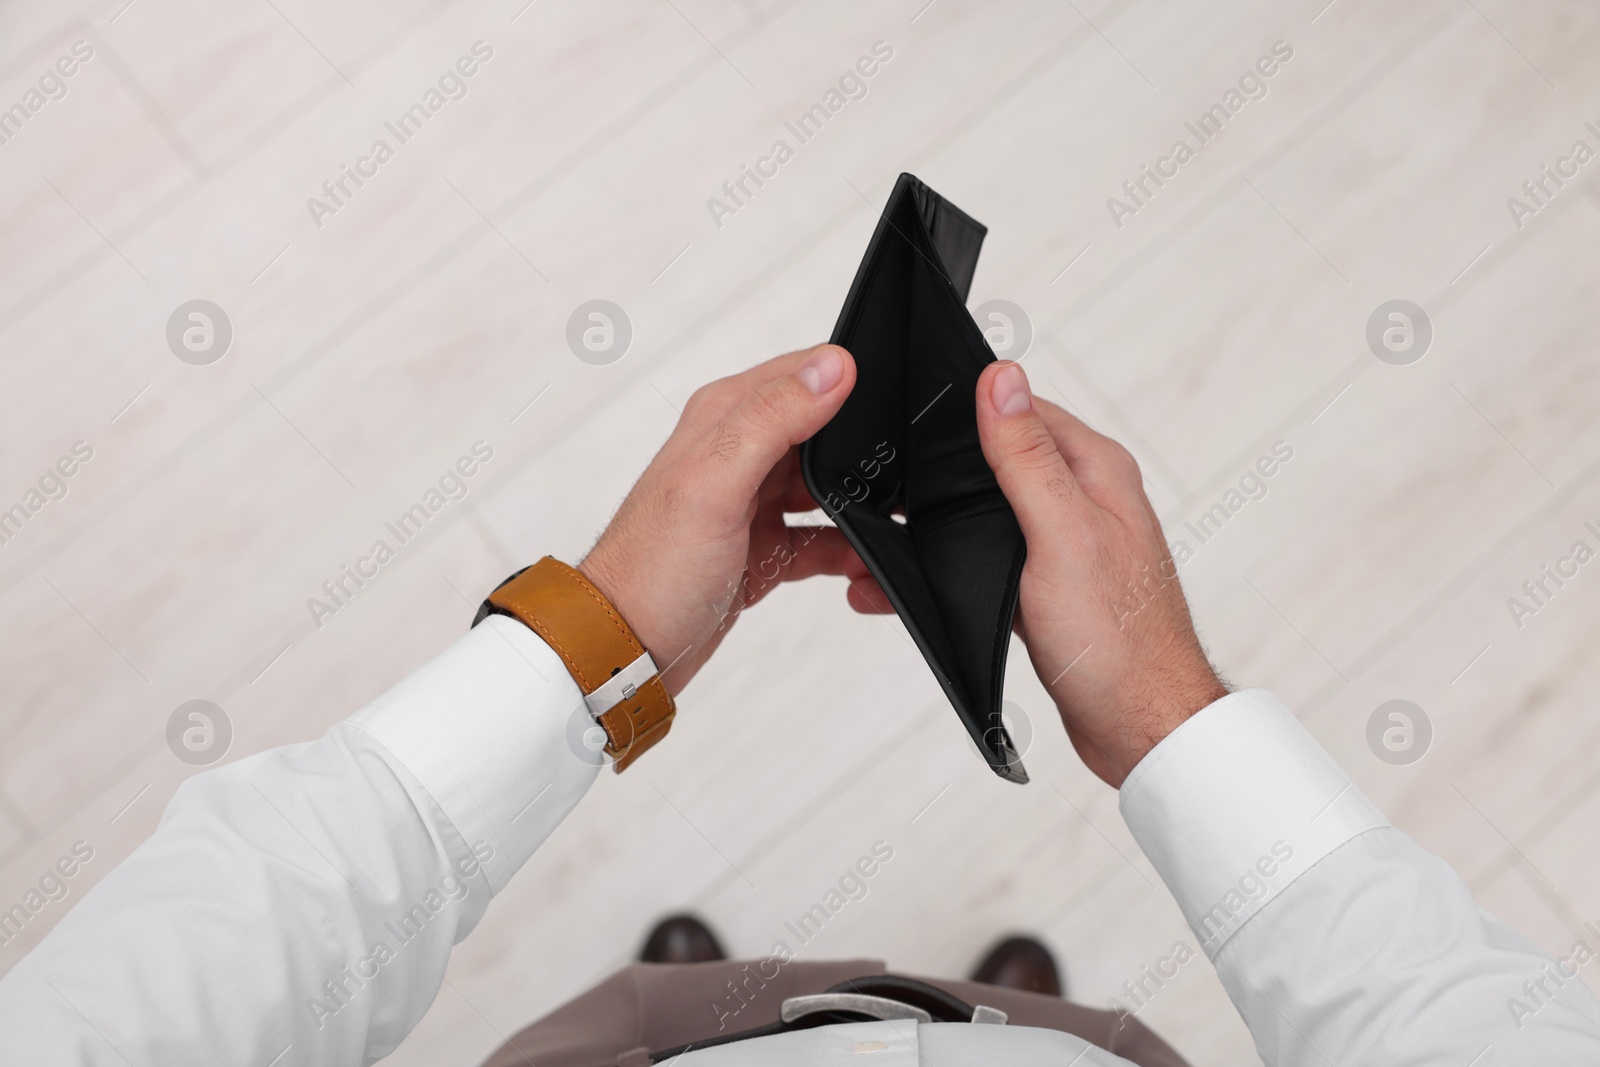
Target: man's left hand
[701, 536]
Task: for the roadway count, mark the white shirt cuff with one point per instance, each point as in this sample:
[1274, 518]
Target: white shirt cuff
[496, 731]
[1236, 804]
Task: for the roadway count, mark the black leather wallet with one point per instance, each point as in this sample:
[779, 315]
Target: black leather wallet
[900, 470]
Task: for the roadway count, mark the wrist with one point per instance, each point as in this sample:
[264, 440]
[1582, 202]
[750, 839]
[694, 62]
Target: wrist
[1151, 719]
[618, 593]
[614, 670]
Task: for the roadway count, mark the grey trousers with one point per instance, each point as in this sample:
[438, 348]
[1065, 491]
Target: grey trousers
[656, 1006]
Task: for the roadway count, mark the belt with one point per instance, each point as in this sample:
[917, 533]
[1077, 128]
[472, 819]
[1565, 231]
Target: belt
[872, 998]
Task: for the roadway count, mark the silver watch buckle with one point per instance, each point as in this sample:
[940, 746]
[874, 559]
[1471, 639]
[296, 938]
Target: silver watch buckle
[623, 685]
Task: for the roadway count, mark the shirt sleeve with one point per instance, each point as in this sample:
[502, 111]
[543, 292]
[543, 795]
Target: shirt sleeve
[299, 906]
[1338, 938]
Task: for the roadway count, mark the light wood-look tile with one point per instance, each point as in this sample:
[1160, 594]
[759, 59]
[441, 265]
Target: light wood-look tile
[1227, 315]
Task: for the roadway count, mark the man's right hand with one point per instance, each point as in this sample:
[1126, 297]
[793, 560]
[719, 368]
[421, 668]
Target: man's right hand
[1101, 609]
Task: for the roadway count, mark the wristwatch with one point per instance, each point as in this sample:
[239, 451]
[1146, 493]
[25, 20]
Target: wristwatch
[620, 682]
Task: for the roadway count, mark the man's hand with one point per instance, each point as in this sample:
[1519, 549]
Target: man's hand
[701, 536]
[1101, 610]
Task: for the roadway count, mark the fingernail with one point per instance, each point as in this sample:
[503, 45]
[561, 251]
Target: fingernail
[1009, 394]
[822, 371]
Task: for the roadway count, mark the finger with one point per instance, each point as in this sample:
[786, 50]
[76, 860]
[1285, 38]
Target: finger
[792, 496]
[776, 367]
[821, 550]
[795, 554]
[867, 597]
[1032, 473]
[713, 402]
[769, 421]
[1094, 458]
[784, 489]
[708, 405]
[797, 499]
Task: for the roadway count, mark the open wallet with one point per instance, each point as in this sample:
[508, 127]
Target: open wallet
[899, 469]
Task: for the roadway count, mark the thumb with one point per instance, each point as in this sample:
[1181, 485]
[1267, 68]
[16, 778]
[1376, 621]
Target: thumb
[1026, 462]
[773, 417]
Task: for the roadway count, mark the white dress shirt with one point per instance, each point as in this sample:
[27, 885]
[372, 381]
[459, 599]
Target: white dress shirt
[299, 906]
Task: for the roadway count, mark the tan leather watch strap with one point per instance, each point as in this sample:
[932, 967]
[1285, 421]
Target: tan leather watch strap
[559, 604]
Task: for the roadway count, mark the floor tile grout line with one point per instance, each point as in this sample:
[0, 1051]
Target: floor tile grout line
[29, 54]
[145, 102]
[1451, 585]
[1338, 101]
[257, 139]
[27, 833]
[396, 291]
[806, 810]
[62, 815]
[1049, 61]
[1130, 429]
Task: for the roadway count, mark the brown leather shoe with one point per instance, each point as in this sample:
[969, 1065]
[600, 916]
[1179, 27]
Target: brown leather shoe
[681, 939]
[1021, 963]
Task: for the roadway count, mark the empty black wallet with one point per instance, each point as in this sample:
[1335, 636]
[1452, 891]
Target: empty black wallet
[900, 470]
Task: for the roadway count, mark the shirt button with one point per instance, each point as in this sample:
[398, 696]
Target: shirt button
[868, 1046]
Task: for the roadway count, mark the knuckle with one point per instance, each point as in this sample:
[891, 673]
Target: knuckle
[710, 399]
[1033, 449]
[1133, 463]
[761, 417]
[700, 399]
[1125, 467]
[763, 410]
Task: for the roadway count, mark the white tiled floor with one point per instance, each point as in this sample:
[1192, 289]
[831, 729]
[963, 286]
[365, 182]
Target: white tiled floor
[1227, 315]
